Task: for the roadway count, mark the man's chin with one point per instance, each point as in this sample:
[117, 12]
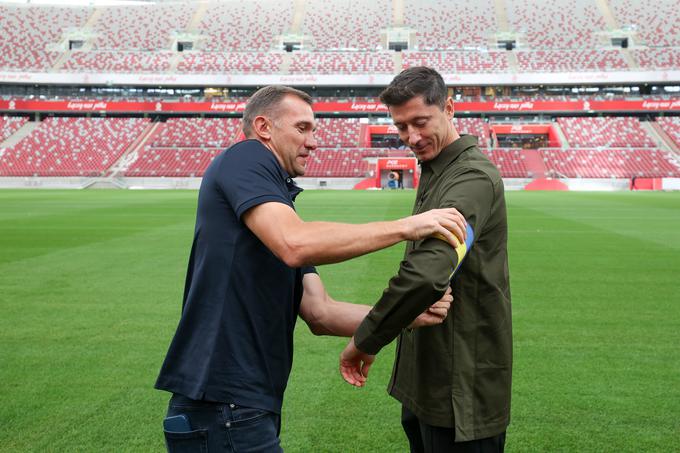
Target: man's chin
[421, 152]
[422, 155]
[425, 154]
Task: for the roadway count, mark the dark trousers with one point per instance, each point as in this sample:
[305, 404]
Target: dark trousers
[219, 427]
[424, 438]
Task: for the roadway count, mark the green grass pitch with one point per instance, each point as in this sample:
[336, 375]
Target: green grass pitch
[91, 284]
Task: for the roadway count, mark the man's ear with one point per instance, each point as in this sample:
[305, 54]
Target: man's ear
[262, 128]
[449, 108]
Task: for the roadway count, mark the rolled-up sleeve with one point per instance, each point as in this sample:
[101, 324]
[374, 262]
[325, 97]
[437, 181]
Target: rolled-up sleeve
[425, 272]
[422, 280]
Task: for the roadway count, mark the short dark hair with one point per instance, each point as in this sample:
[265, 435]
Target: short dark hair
[265, 101]
[416, 81]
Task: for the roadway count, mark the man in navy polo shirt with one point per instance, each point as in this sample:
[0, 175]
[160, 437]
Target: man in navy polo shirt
[249, 277]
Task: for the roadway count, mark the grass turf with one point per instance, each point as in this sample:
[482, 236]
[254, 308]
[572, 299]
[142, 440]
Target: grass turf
[91, 284]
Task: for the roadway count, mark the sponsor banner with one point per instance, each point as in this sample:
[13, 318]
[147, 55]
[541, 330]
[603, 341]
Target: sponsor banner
[390, 163]
[204, 107]
[350, 107]
[670, 184]
[382, 129]
[331, 80]
[521, 128]
[122, 107]
[339, 107]
[520, 106]
[646, 105]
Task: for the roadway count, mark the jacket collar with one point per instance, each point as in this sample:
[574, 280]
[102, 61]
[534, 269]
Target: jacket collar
[450, 153]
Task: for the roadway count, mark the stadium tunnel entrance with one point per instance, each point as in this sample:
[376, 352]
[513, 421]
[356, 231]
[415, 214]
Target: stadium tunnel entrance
[524, 136]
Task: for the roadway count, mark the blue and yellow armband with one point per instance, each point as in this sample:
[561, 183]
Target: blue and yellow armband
[461, 249]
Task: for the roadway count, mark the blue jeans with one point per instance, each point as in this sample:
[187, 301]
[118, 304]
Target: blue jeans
[219, 427]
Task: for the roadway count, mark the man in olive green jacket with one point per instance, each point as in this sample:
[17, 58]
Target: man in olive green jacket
[454, 379]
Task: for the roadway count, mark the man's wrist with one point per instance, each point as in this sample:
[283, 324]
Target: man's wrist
[365, 341]
[403, 229]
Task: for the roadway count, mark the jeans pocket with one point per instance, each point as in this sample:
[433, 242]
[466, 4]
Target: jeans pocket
[187, 442]
[254, 430]
[242, 416]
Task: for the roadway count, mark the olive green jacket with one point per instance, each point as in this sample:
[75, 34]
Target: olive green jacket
[456, 374]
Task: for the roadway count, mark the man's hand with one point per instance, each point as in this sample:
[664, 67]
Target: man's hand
[354, 365]
[436, 313]
[447, 223]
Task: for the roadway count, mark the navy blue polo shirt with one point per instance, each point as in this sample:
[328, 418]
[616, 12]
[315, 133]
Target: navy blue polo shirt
[234, 342]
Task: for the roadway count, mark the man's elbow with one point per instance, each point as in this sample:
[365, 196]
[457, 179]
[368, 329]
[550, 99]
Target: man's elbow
[316, 322]
[431, 283]
[318, 329]
[293, 251]
[293, 258]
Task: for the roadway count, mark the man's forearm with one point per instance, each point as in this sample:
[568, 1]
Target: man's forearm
[340, 319]
[325, 242]
[299, 243]
[422, 279]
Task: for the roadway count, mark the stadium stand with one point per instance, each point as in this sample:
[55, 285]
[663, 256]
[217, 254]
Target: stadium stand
[658, 58]
[337, 163]
[610, 163]
[27, 32]
[338, 36]
[451, 24]
[251, 26]
[63, 146]
[605, 132]
[196, 132]
[231, 62]
[654, 22]
[337, 132]
[9, 125]
[570, 60]
[27, 59]
[557, 24]
[341, 63]
[184, 147]
[671, 125]
[473, 126]
[510, 162]
[343, 37]
[141, 27]
[346, 24]
[172, 162]
[455, 62]
[119, 61]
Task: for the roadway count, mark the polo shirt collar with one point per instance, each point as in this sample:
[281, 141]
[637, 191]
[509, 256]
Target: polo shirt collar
[450, 153]
[293, 189]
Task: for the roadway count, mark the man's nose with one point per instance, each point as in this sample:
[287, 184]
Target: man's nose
[311, 143]
[413, 136]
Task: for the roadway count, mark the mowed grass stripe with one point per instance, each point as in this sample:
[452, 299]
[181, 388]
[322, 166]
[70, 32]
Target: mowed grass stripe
[65, 221]
[640, 216]
[85, 327]
[86, 323]
[325, 406]
[587, 326]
